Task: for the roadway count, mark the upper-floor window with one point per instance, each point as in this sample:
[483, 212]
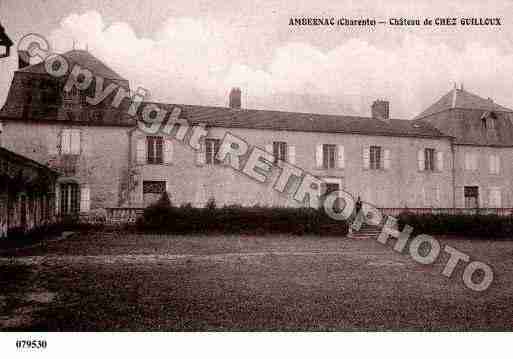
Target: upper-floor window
[375, 157]
[429, 159]
[488, 120]
[155, 151]
[212, 146]
[495, 164]
[329, 156]
[279, 151]
[70, 141]
[471, 161]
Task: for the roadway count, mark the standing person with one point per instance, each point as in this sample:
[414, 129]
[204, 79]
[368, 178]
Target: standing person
[358, 206]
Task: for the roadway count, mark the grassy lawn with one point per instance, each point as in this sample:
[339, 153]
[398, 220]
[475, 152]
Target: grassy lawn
[111, 281]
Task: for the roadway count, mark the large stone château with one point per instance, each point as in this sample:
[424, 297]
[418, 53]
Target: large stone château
[455, 154]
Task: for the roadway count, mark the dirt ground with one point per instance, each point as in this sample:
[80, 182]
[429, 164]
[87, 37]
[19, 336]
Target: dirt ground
[120, 282]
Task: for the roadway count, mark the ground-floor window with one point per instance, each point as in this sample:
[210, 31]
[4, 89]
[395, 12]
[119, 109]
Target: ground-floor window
[332, 185]
[69, 198]
[495, 198]
[471, 194]
[152, 190]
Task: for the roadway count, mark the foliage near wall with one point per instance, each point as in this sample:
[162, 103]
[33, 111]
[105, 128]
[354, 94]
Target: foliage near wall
[477, 225]
[163, 217]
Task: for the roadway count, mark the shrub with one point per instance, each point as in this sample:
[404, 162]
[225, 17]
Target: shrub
[239, 220]
[469, 225]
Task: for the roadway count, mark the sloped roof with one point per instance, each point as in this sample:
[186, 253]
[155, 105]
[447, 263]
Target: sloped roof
[297, 121]
[84, 59]
[462, 99]
[5, 153]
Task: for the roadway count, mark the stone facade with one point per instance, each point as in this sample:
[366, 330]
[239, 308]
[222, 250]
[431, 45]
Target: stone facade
[106, 160]
[101, 164]
[401, 184]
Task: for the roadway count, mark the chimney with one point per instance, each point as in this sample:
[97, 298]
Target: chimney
[235, 95]
[380, 110]
[23, 59]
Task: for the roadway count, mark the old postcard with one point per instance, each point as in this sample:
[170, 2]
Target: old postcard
[254, 166]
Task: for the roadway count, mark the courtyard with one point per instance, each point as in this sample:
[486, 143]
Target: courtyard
[110, 281]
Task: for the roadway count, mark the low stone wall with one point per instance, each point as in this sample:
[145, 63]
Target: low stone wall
[123, 215]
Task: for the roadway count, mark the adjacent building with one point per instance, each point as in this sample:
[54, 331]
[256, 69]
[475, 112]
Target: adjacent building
[27, 194]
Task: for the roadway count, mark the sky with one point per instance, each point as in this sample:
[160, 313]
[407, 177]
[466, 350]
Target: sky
[193, 52]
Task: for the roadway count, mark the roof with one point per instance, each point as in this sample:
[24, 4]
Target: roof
[462, 99]
[4, 38]
[296, 121]
[84, 59]
[30, 162]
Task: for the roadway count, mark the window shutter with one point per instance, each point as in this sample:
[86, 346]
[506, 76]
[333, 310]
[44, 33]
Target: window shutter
[65, 141]
[420, 160]
[75, 142]
[491, 162]
[168, 151]
[366, 157]
[386, 162]
[141, 150]
[292, 155]
[498, 164]
[318, 156]
[341, 156]
[84, 199]
[440, 160]
[481, 198]
[53, 146]
[495, 198]
[200, 154]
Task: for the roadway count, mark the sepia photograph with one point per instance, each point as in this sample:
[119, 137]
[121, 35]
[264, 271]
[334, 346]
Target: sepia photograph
[254, 167]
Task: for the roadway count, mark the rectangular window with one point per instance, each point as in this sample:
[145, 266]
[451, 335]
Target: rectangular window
[495, 198]
[375, 157]
[329, 155]
[69, 197]
[494, 164]
[331, 185]
[212, 146]
[152, 191]
[279, 151]
[471, 194]
[70, 141]
[471, 161]
[429, 159]
[155, 149]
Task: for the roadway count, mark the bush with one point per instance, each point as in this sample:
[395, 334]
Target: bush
[475, 225]
[238, 220]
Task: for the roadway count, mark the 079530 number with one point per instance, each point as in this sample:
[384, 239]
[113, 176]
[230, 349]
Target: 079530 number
[31, 344]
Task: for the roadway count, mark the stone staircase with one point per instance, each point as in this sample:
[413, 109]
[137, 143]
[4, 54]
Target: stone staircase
[366, 232]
